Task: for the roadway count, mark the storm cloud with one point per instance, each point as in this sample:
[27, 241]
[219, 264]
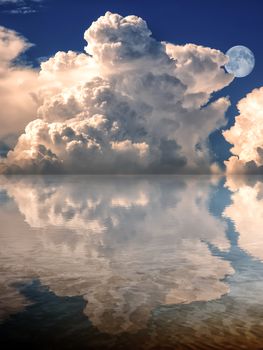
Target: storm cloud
[130, 104]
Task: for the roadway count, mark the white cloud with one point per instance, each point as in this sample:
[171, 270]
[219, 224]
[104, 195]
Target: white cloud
[20, 6]
[133, 104]
[9, 1]
[19, 2]
[17, 83]
[246, 136]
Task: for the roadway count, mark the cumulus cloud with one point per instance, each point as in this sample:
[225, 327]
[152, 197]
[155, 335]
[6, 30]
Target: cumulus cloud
[130, 104]
[17, 82]
[246, 136]
[122, 243]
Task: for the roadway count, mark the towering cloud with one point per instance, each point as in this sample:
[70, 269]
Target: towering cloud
[246, 136]
[130, 104]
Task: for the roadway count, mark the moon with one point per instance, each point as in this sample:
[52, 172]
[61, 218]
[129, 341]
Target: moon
[241, 61]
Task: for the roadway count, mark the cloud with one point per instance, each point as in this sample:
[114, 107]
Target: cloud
[20, 6]
[17, 1]
[246, 136]
[131, 104]
[9, 1]
[122, 243]
[17, 82]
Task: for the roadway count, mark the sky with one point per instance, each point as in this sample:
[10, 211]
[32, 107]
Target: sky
[58, 25]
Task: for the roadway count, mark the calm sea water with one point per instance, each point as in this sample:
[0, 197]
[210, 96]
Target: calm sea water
[132, 262]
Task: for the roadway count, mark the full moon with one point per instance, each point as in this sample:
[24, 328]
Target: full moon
[241, 61]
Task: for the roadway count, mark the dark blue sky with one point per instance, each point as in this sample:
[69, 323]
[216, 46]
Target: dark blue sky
[220, 24]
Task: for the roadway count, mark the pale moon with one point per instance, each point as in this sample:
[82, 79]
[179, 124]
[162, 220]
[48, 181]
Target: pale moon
[241, 61]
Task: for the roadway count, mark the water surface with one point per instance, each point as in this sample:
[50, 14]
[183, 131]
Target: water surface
[131, 262]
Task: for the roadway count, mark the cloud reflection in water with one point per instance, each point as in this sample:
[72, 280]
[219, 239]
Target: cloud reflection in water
[127, 244]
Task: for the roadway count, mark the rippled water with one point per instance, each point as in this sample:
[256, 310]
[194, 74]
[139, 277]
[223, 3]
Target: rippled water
[132, 262]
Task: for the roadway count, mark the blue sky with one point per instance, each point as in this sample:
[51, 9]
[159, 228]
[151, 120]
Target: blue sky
[59, 25]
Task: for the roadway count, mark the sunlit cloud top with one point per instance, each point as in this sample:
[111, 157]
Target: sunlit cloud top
[129, 104]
